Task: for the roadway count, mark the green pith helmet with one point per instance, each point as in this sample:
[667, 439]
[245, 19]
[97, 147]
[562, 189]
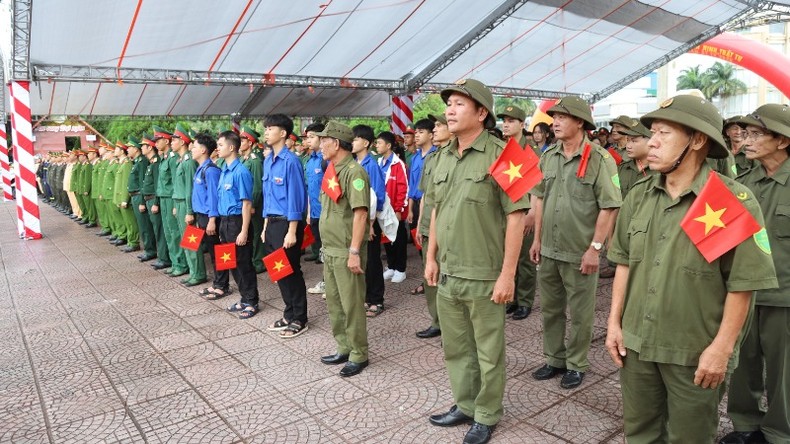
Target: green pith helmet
[134, 142]
[637, 129]
[734, 120]
[623, 120]
[250, 134]
[478, 92]
[337, 130]
[576, 107]
[513, 112]
[182, 133]
[695, 113]
[773, 117]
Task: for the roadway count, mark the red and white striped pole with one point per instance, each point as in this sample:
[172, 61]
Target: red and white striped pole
[402, 113]
[5, 169]
[20, 218]
[25, 165]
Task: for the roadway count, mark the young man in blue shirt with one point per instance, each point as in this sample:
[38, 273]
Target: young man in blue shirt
[204, 206]
[234, 205]
[284, 205]
[374, 271]
[314, 175]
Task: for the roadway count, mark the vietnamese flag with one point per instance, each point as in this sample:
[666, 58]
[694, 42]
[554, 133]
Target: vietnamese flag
[278, 265]
[191, 238]
[225, 256]
[414, 235]
[516, 170]
[330, 185]
[716, 222]
[309, 238]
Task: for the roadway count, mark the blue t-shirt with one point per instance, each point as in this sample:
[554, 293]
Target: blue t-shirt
[204, 189]
[376, 180]
[314, 175]
[415, 172]
[235, 185]
[284, 191]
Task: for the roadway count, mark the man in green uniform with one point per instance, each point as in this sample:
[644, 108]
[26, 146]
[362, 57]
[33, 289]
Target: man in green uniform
[90, 197]
[151, 205]
[574, 210]
[733, 134]
[441, 139]
[164, 191]
[97, 181]
[619, 139]
[73, 179]
[634, 167]
[344, 233]
[475, 238]
[513, 126]
[117, 226]
[82, 186]
[254, 163]
[676, 319]
[764, 365]
[122, 199]
[182, 200]
[134, 186]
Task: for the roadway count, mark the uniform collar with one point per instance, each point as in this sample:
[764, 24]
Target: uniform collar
[696, 185]
[343, 164]
[781, 176]
[558, 147]
[479, 143]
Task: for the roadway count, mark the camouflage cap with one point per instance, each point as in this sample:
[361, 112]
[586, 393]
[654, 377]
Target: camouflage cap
[576, 107]
[337, 130]
[773, 117]
[478, 92]
[695, 113]
[438, 118]
[513, 112]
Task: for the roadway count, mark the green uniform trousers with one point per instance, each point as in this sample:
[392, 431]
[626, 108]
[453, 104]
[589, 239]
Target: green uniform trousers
[526, 274]
[172, 234]
[130, 225]
[661, 404]
[765, 351]
[147, 240]
[430, 292]
[90, 209]
[159, 235]
[116, 221]
[100, 219]
[563, 286]
[345, 299]
[473, 339]
[194, 259]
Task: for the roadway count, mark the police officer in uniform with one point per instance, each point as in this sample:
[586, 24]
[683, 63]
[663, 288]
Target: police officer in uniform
[135, 186]
[151, 205]
[676, 320]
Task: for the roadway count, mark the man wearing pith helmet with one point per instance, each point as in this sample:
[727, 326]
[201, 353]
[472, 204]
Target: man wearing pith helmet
[475, 237]
[676, 319]
[764, 365]
[575, 208]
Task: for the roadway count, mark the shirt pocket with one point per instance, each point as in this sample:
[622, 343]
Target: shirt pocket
[583, 189]
[477, 189]
[440, 186]
[637, 239]
[781, 225]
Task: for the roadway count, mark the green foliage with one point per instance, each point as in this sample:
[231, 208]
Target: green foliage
[501, 102]
[378, 125]
[428, 104]
[690, 78]
[717, 81]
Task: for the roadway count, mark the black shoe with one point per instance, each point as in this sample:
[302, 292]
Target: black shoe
[452, 418]
[335, 359]
[752, 437]
[310, 257]
[430, 332]
[160, 265]
[103, 233]
[511, 308]
[119, 242]
[479, 434]
[112, 239]
[353, 368]
[521, 313]
[547, 372]
[571, 379]
[92, 225]
[146, 257]
[129, 249]
[82, 221]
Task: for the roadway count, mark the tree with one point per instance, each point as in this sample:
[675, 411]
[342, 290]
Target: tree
[691, 78]
[719, 81]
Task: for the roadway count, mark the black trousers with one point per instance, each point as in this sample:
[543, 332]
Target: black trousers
[292, 288]
[396, 251]
[316, 233]
[244, 273]
[221, 278]
[374, 272]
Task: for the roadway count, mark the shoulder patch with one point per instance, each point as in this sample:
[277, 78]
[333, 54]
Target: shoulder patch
[358, 184]
[761, 239]
[742, 196]
[616, 180]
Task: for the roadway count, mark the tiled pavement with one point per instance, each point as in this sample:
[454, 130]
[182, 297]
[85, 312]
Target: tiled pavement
[97, 347]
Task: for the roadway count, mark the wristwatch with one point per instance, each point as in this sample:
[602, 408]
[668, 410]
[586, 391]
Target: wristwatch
[353, 251]
[597, 246]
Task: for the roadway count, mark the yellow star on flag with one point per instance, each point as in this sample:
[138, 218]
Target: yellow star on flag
[711, 218]
[332, 184]
[225, 257]
[278, 266]
[514, 171]
[192, 239]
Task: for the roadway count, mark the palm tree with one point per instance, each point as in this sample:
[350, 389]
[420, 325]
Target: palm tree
[719, 81]
[691, 78]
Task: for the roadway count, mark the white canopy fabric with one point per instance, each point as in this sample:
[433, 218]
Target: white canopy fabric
[346, 57]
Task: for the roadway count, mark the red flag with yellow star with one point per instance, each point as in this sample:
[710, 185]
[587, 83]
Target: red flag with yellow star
[225, 256]
[309, 237]
[516, 170]
[330, 185]
[278, 265]
[191, 238]
[717, 222]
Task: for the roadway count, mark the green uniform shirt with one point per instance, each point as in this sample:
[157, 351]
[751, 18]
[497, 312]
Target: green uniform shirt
[108, 183]
[87, 178]
[742, 164]
[183, 180]
[137, 174]
[674, 298]
[121, 187]
[337, 219]
[471, 210]
[167, 167]
[254, 163]
[74, 184]
[630, 174]
[97, 173]
[725, 167]
[150, 179]
[425, 184]
[570, 204]
[773, 194]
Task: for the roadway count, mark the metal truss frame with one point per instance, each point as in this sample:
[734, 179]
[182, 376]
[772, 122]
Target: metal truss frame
[22, 11]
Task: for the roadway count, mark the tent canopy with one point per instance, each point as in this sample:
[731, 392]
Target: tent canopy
[345, 57]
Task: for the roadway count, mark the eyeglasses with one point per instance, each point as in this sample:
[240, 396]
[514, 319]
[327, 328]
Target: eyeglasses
[754, 135]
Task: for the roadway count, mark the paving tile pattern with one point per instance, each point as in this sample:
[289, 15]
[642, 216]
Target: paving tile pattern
[99, 348]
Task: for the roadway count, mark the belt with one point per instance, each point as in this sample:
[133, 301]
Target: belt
[231, 216]
[149, 197]
[274, 218]
[134, 193]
